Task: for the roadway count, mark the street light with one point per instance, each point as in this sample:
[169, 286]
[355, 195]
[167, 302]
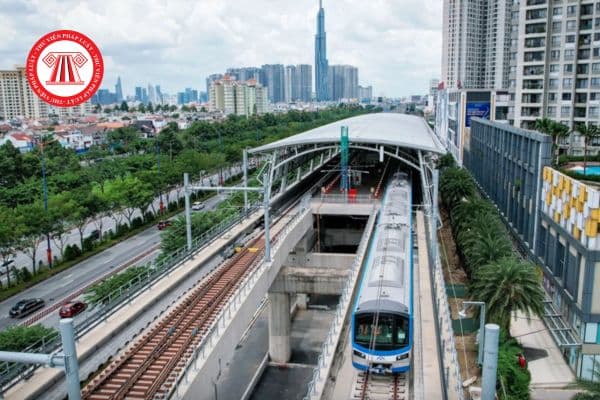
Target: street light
[160, 204]
[480, 334]
[45, 187]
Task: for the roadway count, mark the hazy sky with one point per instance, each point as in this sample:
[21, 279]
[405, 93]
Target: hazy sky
[396, 44]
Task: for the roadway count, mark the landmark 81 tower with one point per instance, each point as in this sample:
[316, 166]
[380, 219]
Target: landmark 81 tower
[321, 64]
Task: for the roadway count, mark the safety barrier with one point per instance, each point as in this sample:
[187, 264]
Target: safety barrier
[325, 361]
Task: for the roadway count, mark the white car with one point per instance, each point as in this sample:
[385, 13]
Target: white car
[197, 206]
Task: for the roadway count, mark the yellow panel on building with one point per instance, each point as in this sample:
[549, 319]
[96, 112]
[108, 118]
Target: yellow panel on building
[579, 206]
[556, 216]
[595, 214]
[576, 233]
[591, 227]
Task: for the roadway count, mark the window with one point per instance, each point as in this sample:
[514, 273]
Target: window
[556, 27]
[595, 67]
[554, 67]
[594, 96]
[571, 26]
[569, 54]
[557, 11]
[560, 258]
[392, 332]
[567, 82]
[568, 68]
[571, 10]
[565, 112]
[594, 112]
[566, 96]
[595, 82]
[555, 55]
[555, 41]
[553, 83]
[596, 52]
[570, 39]
[552, 97]
[535, 28]
[551, 111]
[591, 332]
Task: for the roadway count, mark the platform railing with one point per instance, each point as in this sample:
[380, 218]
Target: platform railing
[326, 356]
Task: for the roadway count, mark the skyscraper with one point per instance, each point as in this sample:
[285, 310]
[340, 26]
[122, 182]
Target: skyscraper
[138, 94]
[290, 89]
[343, 82]
[476, 43]
[304, 81]
[321, 63]
[119, 90]
[273, 77]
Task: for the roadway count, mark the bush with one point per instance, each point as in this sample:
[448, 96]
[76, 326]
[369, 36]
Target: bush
[25, 274]
[149, 216]
[137, 222]
[88, 244]
[18, 338]
[172, 206]
[512, 379]
[121, 230]
[71, 252]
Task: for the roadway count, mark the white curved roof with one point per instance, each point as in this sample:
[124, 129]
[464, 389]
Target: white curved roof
[382, 128]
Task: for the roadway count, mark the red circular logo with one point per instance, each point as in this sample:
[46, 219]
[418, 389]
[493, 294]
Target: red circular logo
[65, 68]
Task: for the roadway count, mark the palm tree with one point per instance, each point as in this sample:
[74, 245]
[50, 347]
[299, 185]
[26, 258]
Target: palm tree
[589, 133]
[543, 125]
[456, 184]
[557, 131]
[508, 285]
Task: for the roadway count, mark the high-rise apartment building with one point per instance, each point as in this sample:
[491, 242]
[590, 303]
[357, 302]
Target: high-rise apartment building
[273, 77]
[244, 74]
[240, 98]
[365, 93]
[557, 62]
[290, 89]
[304, 82]
[321, 63]
[476, 43]
[210, 79]
[343, 82]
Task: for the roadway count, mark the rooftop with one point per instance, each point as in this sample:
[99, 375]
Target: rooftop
[382, 128]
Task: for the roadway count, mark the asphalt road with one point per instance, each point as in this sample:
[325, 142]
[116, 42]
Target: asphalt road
[61, 285]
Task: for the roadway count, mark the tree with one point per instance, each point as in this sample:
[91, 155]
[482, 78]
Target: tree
[456, 184]
[18, 338]
[124, 106]
[588, 133]
[142, 108]
[508, 285]
[11, 230]
[558, 131]
[36, 223]
[150, 107]
[61, 208]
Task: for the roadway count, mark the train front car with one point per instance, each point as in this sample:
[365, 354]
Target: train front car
[382, 321]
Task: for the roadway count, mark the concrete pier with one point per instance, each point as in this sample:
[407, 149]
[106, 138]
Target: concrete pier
[279, 327]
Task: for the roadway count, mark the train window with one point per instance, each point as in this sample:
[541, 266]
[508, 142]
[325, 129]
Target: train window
[402, 328]
[390, 332]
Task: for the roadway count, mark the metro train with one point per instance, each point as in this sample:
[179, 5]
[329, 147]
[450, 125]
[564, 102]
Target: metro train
[382, 318]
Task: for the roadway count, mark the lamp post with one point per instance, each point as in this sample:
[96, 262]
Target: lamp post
[160, 204]
[480, 334]
[45, 188]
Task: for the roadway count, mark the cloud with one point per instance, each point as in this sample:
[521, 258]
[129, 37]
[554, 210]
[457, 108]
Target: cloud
[396, 44]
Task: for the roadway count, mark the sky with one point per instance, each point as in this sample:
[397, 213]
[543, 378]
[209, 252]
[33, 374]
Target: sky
[396, 44]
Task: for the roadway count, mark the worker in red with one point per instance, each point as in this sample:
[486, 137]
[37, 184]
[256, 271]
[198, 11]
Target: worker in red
[522, 361]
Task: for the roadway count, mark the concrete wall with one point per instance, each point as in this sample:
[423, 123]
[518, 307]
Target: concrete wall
[326, 260]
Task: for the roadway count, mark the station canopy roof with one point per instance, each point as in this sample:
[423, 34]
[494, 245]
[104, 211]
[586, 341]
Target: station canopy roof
[389, 129]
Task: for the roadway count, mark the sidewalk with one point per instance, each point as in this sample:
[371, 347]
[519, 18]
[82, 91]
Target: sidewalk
[550, 373]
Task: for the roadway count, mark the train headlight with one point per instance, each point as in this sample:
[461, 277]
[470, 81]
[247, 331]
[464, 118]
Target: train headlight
[402, 357]
[359, 354]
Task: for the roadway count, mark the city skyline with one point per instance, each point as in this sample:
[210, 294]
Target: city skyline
[189, 42]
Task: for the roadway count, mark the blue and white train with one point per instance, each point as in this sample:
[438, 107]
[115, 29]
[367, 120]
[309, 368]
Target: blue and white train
[382, 320]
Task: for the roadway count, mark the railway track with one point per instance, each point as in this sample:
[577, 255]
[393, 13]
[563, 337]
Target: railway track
[145, 370]
[370, 386]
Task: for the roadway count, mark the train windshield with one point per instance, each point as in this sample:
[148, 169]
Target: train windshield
[389, 332]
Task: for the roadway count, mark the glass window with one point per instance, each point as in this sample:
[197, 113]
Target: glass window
[554, 67]
[570, 39]
[591, 332]
[596, 67]
[568, 68]
[557, 11]
[587, 367]
[391, 332]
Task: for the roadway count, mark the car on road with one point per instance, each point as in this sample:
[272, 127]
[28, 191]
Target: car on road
[164, 224]
[198, 205]
[72, 308]
[25, 307]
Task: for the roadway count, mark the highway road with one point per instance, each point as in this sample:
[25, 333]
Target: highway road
[23, 260]
[69, 281]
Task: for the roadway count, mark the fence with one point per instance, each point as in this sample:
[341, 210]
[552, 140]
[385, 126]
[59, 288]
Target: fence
[12, 373]
[321, 371]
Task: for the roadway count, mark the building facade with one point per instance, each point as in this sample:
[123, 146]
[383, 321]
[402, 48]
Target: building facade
[476, 43]
[343, 82]
[455, 108]
[557, 63]
[240, 98]
[273, 77]
[321, 63]
[555, 219]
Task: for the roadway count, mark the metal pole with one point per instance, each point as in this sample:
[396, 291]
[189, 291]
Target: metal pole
[45, 187]
[67, 334]
[160, 204]
[245, 166]
[490, 363]
[266, 201]
[481, 335]
[188, 217]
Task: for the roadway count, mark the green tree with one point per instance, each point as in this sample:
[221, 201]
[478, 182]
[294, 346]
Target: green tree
[11, 165]
[18, 338]
[588, 132]
[36, 223]
[60, 207]
[142, 108]
[508, 285]
[11, 230]
[456, 184]
[150, 107]
[558, 131]
[124, 106]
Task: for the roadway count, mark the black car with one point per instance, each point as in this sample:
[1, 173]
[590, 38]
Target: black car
[26, 307]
